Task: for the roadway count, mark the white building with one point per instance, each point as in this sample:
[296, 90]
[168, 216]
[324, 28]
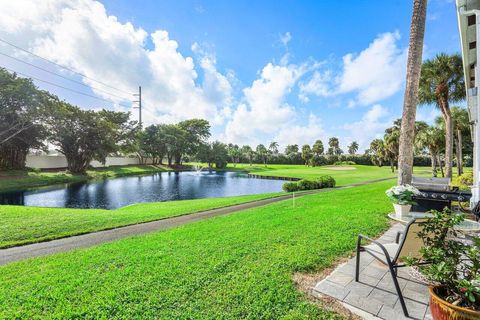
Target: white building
[468, 13]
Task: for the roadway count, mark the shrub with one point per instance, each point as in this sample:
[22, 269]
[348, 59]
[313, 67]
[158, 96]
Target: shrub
[305, 184]
[465, 181]
[308, 185]
[290, 187]
[327, 182]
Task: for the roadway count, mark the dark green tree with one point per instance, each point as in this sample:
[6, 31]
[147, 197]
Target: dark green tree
[86, 135]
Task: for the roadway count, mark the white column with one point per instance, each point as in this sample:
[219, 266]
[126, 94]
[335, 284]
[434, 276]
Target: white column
[475, 119]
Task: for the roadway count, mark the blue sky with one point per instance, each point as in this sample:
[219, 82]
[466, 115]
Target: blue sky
[290, 71]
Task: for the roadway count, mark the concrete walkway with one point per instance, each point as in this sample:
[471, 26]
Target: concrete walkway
[374, 297]
[94, 238]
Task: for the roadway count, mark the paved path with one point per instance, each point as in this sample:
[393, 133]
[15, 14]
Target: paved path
[91, 239]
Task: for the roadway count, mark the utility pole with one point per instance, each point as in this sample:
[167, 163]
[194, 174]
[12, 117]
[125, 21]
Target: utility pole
[139, 101]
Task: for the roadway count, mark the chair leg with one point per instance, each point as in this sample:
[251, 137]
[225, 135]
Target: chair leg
[357, 263]
[399, 291]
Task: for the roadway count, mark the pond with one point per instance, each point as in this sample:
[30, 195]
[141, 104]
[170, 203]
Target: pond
[119, 192]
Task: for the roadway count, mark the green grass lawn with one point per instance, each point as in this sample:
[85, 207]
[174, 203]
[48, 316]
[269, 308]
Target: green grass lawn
[24, 179]
[228, 267]
[23, 225]
[342, 174]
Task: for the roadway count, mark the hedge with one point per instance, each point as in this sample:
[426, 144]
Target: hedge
[308, 184]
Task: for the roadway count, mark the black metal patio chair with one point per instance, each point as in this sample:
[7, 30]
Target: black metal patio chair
[407, 243]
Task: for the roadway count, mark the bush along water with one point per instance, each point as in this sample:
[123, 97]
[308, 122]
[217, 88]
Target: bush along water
[309, 184]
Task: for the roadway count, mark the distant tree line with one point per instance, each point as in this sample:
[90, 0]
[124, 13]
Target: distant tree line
[34, 119]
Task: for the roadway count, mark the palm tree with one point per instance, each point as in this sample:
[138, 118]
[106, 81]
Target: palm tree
[248, 153]
[441, 82]
[318, 148]
[273, 147]
[307, 154]
[391, 145]
[461, 126]
[414, 63]
[378, 152]
[262, 152]
[334, 146]
[353, 148]
[432, 139]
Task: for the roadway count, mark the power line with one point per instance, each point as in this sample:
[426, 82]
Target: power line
[69, 89]
[61, 66]
[59, 75]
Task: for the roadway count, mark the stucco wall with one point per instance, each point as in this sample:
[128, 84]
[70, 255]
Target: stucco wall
[54, 162]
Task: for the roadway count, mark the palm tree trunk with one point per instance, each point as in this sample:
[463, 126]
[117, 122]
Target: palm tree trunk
[414, 65]
[440, 165]
[434, 164]
[459, 153]
[448, 143]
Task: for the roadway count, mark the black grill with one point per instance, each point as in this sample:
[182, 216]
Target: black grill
[438, 200]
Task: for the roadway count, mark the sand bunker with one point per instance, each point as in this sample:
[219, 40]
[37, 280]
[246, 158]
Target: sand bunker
[341, 168]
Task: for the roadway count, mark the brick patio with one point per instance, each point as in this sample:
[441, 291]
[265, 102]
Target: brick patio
[374, 297]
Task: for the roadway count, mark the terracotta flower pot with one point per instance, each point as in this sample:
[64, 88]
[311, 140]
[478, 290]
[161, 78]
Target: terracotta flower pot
[443, 310]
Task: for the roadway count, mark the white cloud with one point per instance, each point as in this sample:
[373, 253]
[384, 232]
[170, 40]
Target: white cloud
[285, 38]
[318, 85]
[377, 72]
[264, 109]
[81, 35]
[371, 126]
[297, 134]
[374, 74]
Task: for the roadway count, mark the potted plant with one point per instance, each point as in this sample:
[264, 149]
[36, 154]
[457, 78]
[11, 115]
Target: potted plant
[453, 269]
[402, 198]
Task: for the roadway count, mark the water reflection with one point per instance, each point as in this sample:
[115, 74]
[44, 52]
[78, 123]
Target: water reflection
[114, 193]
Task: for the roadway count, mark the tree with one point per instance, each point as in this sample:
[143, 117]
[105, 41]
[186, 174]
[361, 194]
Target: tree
[152, 143]
[262, 152]
[318, 148]
[86, 135]
[414, 62]
[441, 82]
[353, 148]
[432, 139]
[22, 109]
[334, 147]
[234, 153]
[378, 152]
[273, 147]
[291, 151]
[195, 133]
[215, 152]
[307, 154]
[248, 153]
[461, 127]
[175, 142]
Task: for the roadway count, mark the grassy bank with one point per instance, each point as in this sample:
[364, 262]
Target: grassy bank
[24, 179]
[228, 267]
[342, 174]
[23, 225]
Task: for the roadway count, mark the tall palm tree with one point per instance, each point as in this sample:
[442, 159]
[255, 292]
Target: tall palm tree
[353, 147]
[442, 82]
[461, 126]
[414, 63]
[307, 154]
[318, 148]
[273, 147]
[248, 153]
[378, 152]
[432, 139]
[262, 153]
